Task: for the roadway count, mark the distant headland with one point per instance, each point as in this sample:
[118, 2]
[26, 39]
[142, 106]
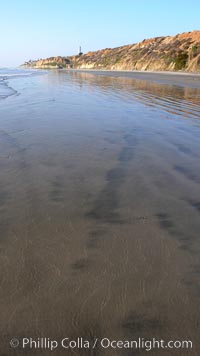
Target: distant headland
[170, 53]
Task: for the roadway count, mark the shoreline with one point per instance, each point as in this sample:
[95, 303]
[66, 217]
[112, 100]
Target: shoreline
[168, 78]
[183, 79]
[133, 71]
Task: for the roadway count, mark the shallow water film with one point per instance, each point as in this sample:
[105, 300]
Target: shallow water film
[99, 213]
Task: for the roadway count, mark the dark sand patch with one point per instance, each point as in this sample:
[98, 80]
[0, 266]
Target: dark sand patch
[187, 173]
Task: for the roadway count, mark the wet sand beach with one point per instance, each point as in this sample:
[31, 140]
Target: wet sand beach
[184, 79]
[100, 210]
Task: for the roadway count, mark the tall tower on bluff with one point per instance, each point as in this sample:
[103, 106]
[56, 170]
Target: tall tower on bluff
[79, 51]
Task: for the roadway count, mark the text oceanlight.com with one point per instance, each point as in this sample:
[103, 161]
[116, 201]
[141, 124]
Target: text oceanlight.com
[104, 343]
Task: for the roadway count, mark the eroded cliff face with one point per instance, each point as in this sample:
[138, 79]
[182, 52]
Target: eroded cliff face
[180, 52]
[171, 53]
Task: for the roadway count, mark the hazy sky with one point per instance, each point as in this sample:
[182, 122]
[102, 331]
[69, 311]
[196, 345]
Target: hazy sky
[31, 29]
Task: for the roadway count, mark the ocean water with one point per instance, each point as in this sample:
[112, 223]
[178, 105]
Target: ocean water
[15, 72]
[99, 210]
[11, 73]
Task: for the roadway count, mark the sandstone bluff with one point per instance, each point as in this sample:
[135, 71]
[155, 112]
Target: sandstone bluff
[171, 53]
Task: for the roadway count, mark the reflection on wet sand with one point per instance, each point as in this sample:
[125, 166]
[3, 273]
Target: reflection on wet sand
[99, 201]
